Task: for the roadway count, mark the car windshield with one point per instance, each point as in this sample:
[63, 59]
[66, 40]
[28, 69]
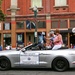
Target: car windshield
[32, 47]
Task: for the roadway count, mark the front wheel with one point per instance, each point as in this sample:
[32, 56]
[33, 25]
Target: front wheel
[4, 64]
[60, 64]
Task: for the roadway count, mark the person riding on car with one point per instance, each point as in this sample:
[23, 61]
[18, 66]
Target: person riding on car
[58, 42]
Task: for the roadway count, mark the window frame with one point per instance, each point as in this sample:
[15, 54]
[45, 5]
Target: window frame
[59, 23]
[19, 27]
[38, 6]
[60, 4]
[41, 24]
[72, 23]
[5, 26]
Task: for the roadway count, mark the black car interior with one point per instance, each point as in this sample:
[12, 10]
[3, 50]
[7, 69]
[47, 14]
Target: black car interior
[36, 46]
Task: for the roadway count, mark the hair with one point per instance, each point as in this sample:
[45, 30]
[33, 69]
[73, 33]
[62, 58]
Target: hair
[51, 32]
[57, 31]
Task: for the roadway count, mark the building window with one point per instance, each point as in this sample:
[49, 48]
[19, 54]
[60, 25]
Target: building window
[60, 2]
[7, 39]
[20, 38]
[59, 24]
[63, 24]
[54, 24]
[14, 3]
[33, 25]
[7, 26]
[37, 3]
[20, 25]
[42, 24]
[30, 24]
[72, 23]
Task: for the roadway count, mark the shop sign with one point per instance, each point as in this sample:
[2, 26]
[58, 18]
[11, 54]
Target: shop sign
[73, 30]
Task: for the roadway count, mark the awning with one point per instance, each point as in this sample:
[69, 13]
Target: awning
[70, 30]
[63, 31]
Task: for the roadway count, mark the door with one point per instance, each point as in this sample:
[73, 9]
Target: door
[29, 59]
[72, 39]
[33, 57]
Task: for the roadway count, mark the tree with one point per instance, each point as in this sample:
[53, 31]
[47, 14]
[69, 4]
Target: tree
[0, 3]
[2, 15]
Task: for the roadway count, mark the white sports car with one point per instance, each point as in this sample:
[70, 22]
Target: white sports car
[31, 57]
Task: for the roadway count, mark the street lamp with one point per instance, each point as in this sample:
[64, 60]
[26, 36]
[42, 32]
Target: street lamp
[35, 10]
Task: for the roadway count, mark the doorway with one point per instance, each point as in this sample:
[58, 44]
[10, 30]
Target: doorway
[7, 40]
[30, 38]
[72, 39]
[20, 39]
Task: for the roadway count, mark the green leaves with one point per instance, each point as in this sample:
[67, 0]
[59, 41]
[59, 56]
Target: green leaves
[0, 3]
[2, 16]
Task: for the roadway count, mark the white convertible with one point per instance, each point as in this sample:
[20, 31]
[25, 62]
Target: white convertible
[31, 57]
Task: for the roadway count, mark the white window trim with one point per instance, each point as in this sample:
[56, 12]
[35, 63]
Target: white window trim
[58, 4]
[14, 3]
[32, 5]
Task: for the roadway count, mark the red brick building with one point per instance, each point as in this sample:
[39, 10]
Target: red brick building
[52, 14]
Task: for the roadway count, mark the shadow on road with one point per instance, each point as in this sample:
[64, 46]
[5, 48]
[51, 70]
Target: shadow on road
[39, 69]
[33, 69]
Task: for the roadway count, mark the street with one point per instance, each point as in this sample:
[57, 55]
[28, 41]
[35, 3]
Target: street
[36, 72]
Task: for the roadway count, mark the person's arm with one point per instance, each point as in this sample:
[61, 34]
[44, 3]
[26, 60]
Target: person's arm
[47, 38]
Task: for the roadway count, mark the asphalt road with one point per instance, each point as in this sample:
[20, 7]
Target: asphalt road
[36, 72]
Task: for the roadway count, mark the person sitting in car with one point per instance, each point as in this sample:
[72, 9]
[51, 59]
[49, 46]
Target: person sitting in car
[58, 42]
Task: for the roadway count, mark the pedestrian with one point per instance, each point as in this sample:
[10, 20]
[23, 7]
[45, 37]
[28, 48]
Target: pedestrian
[41, 41]
[57, 40]
[44, 40]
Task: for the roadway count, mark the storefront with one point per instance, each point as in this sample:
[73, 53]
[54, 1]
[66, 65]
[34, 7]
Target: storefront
[20, 39]
[72, 36]
[6, 40]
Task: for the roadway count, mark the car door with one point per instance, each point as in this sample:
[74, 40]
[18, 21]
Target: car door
[29, 58]
[34, 57]
[45, 58]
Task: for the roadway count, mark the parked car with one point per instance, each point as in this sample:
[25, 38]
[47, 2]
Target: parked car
[31, 57]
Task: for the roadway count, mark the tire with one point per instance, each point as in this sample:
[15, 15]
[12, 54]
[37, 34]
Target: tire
[4, 63]
[60, 64]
